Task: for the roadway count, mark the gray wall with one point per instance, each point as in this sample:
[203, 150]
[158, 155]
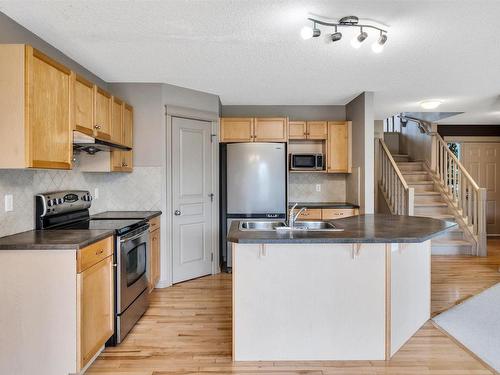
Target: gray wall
[149, 100]
[294, 112]
[360, 184]
[12, 33]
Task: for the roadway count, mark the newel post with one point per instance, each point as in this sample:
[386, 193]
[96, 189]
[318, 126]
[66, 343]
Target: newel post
[481, 227]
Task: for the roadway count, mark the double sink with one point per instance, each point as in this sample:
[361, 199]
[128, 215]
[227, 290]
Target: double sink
[315, 226]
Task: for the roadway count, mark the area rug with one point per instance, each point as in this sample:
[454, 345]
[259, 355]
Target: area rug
[475, 323]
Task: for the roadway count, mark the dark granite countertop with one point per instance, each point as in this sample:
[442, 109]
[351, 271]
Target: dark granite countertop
[53, 239]
[148, 215]
[376, 228]
[324, 205]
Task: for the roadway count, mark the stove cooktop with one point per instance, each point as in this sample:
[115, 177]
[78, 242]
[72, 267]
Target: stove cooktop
[119, 226]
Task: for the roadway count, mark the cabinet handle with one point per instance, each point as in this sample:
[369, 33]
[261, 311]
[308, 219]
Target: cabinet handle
[98, 252]
[97, 126]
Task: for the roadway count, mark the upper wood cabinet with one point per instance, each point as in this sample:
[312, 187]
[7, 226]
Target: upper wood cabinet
[122, 161]
[116, 120]
[307, 130]
[339, 153]
[297, 130]
[317, 130]
[36, 102]
[102, 113]
[245, 129]
[236, 129]
[270, 129]
[84, 105]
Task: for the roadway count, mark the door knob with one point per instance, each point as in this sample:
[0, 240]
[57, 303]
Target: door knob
[177, 213]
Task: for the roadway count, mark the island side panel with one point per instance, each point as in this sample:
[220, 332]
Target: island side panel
[308, 302]
[37, 312]
[410, 290]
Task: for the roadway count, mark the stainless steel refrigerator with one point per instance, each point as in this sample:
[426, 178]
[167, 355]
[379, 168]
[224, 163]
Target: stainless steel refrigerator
[254, 177]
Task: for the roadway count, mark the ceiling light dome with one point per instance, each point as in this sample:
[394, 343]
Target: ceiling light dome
[430, 104]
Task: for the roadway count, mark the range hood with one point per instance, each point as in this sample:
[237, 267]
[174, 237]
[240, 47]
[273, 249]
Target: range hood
[92, 145]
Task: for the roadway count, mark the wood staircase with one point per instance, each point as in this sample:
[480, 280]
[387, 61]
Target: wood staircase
[430, 202]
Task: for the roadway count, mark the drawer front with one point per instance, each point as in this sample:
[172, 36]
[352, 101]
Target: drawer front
[338, 213]
[154, 224]
[310, 214]
[92, 254]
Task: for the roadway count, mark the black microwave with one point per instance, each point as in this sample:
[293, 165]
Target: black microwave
[305, 162]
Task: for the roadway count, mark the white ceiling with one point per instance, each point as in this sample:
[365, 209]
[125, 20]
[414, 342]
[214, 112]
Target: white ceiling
[250, 51]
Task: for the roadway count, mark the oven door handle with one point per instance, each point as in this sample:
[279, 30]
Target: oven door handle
[140, 234]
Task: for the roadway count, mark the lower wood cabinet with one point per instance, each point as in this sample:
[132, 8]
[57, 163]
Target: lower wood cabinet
[338, 213]
[309, 214]
[326, 213]
[154, 255]
[95, 299]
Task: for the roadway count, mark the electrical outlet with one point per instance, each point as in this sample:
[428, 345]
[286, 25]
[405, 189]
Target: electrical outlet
[96, 193]
[9, 203]
[318, 187]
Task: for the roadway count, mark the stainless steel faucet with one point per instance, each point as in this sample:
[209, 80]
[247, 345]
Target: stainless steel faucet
[293, 218]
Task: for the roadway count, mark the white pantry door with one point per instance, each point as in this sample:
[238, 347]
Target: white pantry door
[482, 161]
[191, 203]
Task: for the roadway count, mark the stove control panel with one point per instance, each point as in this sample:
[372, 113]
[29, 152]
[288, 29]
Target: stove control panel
[58, 202]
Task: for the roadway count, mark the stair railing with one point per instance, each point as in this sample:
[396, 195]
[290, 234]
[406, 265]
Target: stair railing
[468, 198]
[399, 196]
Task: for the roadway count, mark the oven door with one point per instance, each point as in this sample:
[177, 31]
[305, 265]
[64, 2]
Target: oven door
[133, 262]
[303, 161]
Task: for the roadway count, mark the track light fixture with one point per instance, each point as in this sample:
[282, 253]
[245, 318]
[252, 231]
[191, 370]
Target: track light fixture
[349, 21]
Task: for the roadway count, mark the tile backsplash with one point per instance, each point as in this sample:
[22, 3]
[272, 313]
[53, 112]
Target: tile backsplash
[302, 187]
[139, 190]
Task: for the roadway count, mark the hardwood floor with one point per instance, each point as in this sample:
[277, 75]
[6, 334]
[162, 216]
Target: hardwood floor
[187, 330]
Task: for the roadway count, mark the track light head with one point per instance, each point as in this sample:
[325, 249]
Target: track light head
[360, 38]
[308, 32]
[378, 46]
[336, 36]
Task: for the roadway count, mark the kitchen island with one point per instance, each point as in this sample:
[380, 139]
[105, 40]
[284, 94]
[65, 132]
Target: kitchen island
[355, 294]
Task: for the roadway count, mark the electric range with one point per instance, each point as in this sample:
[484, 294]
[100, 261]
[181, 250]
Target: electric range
[69, 210]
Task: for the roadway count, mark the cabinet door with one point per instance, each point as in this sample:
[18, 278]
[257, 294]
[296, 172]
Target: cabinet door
[128, 125]
[154, 265]
[339, 147]
[317, 130]
[117, 120]
[309, 214]
[127, 161]
[95, 309]
[102, 114]
[236, 129]
[49, 103]
[338, 213]
[270, 129]
[297, 130]
[84, 105]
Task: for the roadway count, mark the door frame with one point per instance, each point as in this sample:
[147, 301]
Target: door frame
[167, 191]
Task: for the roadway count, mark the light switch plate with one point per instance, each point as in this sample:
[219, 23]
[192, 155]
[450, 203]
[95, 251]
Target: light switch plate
[318, 187]
[9, 202]
[96, 193]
